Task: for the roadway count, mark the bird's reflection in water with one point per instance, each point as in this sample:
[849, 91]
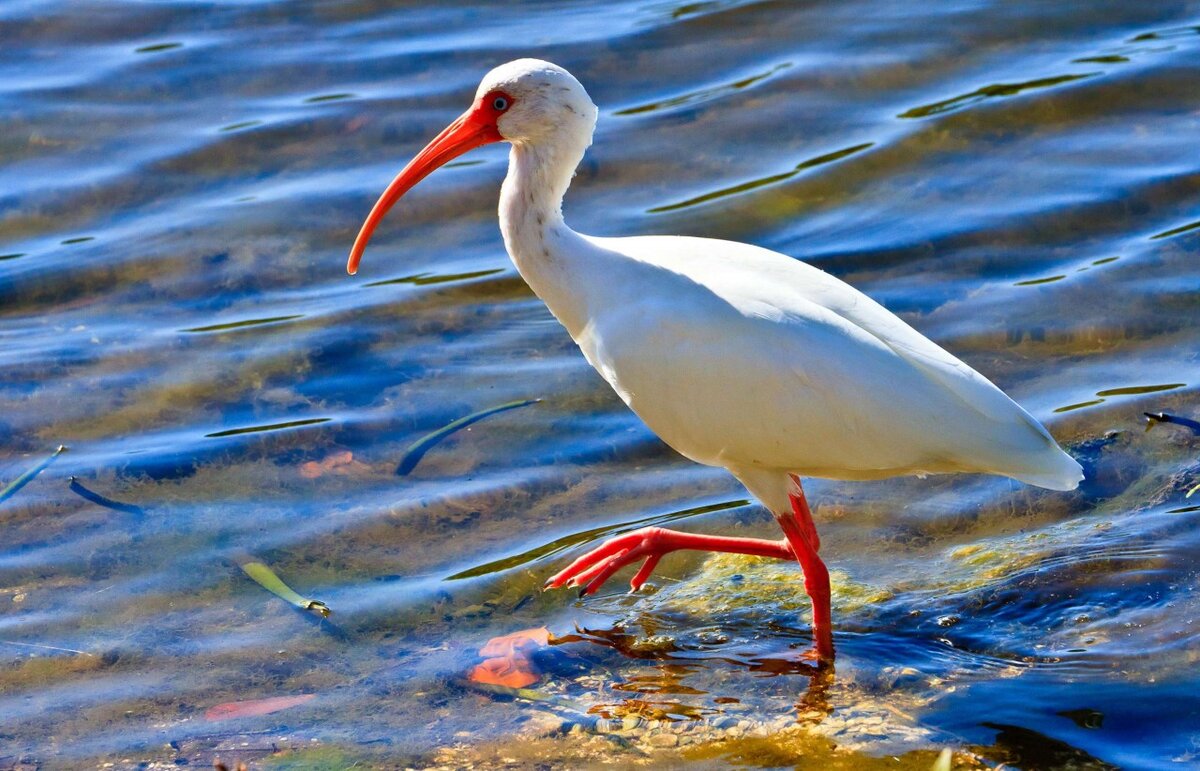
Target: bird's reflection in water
[682, 661]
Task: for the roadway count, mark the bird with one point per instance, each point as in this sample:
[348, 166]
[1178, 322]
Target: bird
[734, 355]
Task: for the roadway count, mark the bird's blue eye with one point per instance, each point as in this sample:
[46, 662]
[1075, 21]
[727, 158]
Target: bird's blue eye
[499, 104]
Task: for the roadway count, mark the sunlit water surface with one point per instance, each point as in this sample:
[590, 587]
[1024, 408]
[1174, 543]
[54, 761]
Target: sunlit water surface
[179, 186]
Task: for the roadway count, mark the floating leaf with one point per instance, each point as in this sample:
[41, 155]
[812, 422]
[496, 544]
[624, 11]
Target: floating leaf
[417, 450]
[255, 707]
[28, 476]
[517, 643]
[516, 672]
[266, 578]
[507, 661]
[319, 468]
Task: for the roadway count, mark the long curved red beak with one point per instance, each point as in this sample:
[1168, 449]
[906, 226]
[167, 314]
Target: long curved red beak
[473, 128]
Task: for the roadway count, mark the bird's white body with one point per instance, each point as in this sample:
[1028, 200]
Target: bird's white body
[745, 358]
[740, 357]
[735, 355]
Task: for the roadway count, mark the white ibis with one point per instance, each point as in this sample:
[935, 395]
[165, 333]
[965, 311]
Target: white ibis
[734, 355]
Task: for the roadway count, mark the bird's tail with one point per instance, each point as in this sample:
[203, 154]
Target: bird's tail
[1054, 471]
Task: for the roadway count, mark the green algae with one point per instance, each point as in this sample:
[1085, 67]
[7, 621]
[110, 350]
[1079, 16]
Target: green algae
[321, 758]
[802, 749]
[789, 746]
[41, 671]
[726, 582]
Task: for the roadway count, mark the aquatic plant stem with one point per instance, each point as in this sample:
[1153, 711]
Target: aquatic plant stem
[28, 476]
[417, 450]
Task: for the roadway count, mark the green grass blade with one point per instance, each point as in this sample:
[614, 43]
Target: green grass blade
[266, 578]
[28, 476]
[417, 450]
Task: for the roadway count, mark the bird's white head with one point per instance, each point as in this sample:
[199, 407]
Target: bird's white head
[545, 102]
[527, 101]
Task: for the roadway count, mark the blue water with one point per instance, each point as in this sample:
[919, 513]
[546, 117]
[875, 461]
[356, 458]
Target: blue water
[180, 183]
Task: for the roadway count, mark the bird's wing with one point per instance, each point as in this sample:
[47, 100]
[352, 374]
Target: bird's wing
[829, 292]
[869, 358]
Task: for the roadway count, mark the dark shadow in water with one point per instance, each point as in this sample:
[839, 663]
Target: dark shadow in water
[754, 184]
[425, 279]
[1112, 59]
[1123, 391]
[241, 324]
[1137, 390]
[329, 98]
[155, 48]
[1176, 231]
[1167, 33]
[990, 92]
[1079, 405]
[269, 427]
[1084, 718]
[703, 94]
[241, 125]
[1036, 281]
[1028, 749]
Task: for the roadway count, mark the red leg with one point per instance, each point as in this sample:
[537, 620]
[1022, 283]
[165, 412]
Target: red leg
[650, 544]
[594, 568]
[801, 533]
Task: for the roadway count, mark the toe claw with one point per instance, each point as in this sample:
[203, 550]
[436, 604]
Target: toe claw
[590, 571]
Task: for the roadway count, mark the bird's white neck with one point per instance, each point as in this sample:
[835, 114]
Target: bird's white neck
[550, 256]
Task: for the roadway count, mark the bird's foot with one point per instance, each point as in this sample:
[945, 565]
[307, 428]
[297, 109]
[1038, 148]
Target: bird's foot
[590, 571]
[650, 544]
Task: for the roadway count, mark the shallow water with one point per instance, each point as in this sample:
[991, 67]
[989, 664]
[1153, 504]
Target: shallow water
[180, 184]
